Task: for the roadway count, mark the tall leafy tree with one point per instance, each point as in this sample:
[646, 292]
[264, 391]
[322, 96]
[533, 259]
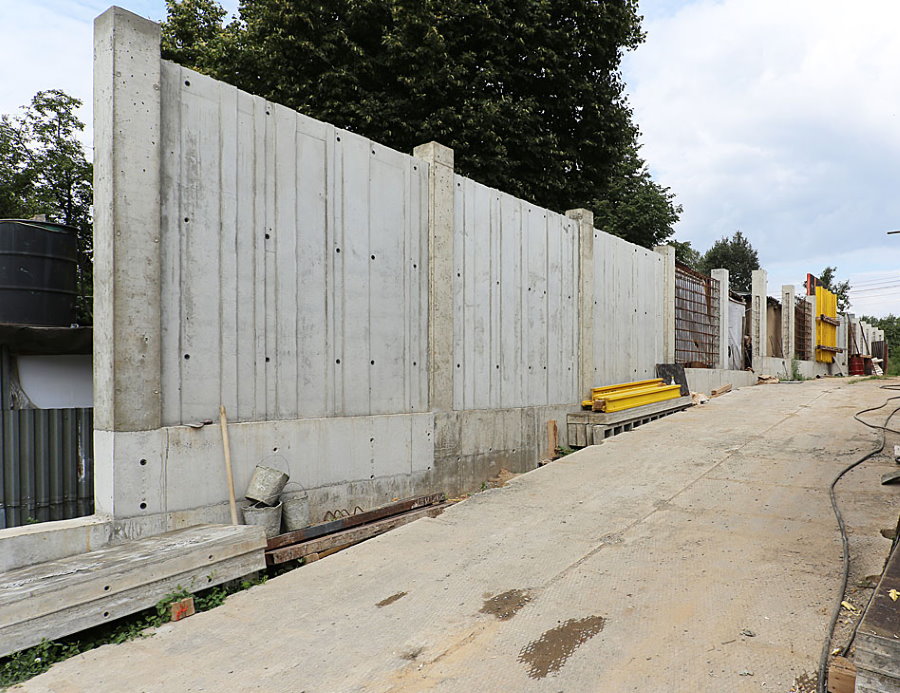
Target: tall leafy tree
[528, 93]
[737, 256]
[43, 170]
[839, 289]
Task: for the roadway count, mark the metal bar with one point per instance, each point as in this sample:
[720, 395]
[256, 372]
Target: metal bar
[353, 520]
[27, 462]
[638, 398]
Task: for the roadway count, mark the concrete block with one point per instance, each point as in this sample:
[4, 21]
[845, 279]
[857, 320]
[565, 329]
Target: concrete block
[49, 541]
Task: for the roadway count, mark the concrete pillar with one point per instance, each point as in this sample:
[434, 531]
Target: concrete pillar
[787, 321]
[759, 334]
[441, 209]
[127, 323]
[585, 219]
[721, 276]
[668, 253]
[126, 222]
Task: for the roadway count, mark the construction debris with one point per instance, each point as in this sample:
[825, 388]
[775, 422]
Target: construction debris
[721, 390]
[767, 380]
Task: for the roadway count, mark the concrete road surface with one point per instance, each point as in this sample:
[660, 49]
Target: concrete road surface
[696, 553]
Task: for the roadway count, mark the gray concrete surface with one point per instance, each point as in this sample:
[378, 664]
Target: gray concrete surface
[639, 563]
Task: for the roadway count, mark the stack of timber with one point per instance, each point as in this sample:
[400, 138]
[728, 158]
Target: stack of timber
[877, 654]
[64, 596]
[317, 541]
[615, 409]
[613, 398]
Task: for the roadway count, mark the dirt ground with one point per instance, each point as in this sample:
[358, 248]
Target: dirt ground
[697, 553]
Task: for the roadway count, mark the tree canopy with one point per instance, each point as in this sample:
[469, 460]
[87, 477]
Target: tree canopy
[43, 170]
[839, 289]
[737, 256]
[891, 326]
[528, 93]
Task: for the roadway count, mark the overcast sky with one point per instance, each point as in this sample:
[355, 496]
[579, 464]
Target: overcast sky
[775, 117]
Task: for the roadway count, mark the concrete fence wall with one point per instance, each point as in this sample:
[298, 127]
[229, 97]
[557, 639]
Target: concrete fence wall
[374, 323]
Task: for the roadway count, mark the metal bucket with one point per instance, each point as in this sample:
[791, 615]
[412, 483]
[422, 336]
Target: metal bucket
[265, 516]
[266, 485]
[296, 512]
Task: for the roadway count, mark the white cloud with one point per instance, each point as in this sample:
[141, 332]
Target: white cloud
[778, 118]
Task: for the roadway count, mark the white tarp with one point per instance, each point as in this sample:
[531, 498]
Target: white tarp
[56, 382]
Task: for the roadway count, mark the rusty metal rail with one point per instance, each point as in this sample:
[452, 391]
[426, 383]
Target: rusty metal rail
[696, 318]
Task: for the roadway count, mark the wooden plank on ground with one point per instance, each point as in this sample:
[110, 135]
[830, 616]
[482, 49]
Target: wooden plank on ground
[721, 390]
[378, 513]
[841, 676]
[350, 536]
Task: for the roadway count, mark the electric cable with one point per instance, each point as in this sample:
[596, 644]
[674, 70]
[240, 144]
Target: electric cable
[845, 542]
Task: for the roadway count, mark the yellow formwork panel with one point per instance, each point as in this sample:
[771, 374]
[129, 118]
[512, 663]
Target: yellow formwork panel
[826, 333]
[640, 397]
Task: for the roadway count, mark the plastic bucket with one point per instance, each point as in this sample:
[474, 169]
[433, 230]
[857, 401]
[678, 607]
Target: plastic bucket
[296, 512]
[266, 485]
[265, 516]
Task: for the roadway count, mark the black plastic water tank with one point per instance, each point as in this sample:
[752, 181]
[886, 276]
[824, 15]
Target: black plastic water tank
[37, 273]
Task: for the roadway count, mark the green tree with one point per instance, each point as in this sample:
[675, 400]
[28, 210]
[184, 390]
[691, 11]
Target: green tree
[839, 289]
[43, 170]
[528, 93]
[685, 254]
[737, 256]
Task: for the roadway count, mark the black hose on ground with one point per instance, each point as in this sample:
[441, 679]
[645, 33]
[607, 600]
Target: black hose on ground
[845, 543]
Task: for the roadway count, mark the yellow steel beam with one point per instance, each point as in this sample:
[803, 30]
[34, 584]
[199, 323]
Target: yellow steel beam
[625, 386]
[638, 398]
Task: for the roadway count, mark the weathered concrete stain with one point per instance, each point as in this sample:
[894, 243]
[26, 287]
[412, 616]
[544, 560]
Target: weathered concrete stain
[548, 653]
[504, 606]
[390, 600]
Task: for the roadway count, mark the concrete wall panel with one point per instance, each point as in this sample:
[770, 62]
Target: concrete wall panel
[294, 278]
[628, 310]
[515, 325]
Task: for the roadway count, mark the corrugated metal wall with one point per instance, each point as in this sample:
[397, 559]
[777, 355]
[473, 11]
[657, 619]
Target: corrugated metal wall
[46, 465]
[295, 262]
[629, 282]
[515, 302]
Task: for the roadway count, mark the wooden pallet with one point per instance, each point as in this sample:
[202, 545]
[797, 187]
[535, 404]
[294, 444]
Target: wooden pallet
[877, 654]
[57, 598]
[592, 428]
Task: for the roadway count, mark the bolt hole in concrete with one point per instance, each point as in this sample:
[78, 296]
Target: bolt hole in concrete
[337, 250]
[186, 220]
[267, 236]
[373, 257]
[548, 653]
[106, 588]
[275, 449]
[143, 462]
[267, 359]
[187, 83]
[338, 138]
[414, 363]
[337, 361]
[105, 614]
[187, 356]
[143, 506]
